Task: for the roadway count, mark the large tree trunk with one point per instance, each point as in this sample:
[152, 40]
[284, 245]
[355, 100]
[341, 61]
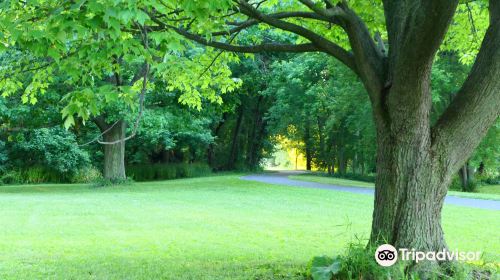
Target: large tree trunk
[114, 154]
[415, 162]
[409, 189]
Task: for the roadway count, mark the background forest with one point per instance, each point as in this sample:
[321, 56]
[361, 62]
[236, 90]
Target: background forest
[309, 103]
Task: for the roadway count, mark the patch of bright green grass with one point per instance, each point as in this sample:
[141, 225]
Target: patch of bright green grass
[493, 189]
[483, 192]
[205, 228]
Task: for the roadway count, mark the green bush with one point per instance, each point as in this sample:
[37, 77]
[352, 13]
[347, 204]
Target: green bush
[167, 171]
[357, 263]
[53, 148]
[34, 175]
[103, 182]
[86, 175]
[456, 185]
[41, 174]
[492, 181]
[11, 177]
[3, 157]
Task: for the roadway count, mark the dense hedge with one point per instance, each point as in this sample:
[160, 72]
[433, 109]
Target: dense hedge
[42, 174]
[167, 171]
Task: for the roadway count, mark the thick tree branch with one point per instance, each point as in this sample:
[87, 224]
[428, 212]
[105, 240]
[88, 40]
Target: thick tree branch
[416, 29]
[266, 47]
[330, 12]
[321, 42]
[283, 15]
[368, 56]
[476, 106]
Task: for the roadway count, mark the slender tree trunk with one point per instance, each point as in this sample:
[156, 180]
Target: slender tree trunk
[342, 161]
[362, 164]
[466, 174]
[307, 142]
[464, 178]
[322, 155]
[354, 162]
[114, 154]
[255, 136]
[211, 147]
[234, 144]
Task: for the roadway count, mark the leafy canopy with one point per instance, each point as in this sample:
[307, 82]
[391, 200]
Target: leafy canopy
[99, 49]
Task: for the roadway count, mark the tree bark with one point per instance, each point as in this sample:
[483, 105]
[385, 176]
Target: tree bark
[256, 135]
[466, 174]
[114, 154]
[308, 144]
[464, 178]
[211, 147]
[231, 164]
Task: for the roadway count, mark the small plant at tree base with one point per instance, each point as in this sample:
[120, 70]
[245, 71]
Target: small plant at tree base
[86, 175]
[103, 182]
[359, 263]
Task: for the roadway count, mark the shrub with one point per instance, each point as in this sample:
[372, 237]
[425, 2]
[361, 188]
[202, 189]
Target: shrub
[357, 263]
[3, 157]
[456, 185]
[34, 175]
[167, 171]
[492, 181]
[103, 182]
[53, 148]
[471, 186]
[86, 175]
[11, 177]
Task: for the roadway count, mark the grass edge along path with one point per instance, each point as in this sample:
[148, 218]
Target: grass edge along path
[319, 178]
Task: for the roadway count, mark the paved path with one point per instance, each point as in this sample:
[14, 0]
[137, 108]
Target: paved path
[281, 178]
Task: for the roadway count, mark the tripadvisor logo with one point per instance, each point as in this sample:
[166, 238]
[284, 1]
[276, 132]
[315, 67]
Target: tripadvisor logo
[387, 255]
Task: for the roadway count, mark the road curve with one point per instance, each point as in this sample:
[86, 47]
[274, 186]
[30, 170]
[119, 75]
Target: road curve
[281, 178]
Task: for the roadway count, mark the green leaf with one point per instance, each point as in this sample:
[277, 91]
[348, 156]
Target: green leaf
[141, 17]
[324, 268]
[70, 121]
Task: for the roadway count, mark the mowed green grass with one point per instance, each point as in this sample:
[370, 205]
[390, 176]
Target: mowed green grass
[206, 228]
[490, 192]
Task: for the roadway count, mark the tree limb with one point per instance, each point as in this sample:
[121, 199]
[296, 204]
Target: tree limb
[330, 12]
[245, 24]
[321, 42]
[476, 106]
[269, 47]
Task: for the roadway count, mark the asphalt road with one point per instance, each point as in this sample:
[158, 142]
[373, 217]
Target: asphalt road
[281, 178]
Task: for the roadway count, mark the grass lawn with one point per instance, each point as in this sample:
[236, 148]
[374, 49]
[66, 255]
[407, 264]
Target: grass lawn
[491, 192]
[205, 228]
[493, 189]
